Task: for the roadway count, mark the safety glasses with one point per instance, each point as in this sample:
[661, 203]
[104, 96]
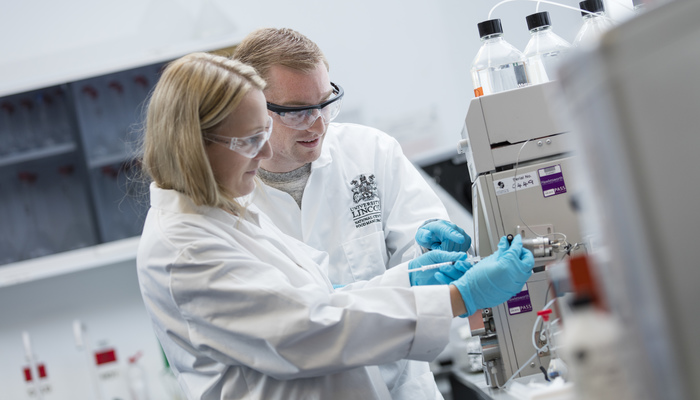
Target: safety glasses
[302, 118]
[248, 146]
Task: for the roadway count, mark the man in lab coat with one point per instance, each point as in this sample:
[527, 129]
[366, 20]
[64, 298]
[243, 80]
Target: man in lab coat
[345, 189]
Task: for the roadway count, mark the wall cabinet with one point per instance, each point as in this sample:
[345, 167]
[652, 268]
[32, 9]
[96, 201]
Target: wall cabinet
[67, 176]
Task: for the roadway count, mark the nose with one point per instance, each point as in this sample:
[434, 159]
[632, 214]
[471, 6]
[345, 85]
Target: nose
[319, 126]
[265, 152]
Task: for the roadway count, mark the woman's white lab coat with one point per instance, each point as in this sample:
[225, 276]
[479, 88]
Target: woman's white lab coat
[243, 311]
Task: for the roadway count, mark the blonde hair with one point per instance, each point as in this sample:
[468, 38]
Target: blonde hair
[192, 98]
[266, 47]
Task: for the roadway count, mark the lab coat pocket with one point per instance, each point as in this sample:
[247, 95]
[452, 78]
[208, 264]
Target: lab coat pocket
[367, 256]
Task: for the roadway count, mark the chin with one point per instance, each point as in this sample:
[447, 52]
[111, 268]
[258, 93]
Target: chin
[311, 156]
[245, 188]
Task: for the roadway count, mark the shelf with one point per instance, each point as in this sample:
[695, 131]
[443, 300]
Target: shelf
[37, 154]
[102, 161]
[97, 256]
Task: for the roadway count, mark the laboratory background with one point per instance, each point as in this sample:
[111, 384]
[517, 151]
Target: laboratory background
[576, 128]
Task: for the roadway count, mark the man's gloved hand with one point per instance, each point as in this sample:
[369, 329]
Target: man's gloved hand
[434, 257]
[496, 278]
[443, 235]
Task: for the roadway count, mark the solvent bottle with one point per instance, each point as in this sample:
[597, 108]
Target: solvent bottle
[545, 50]
[136, 375]
[112, 382]
[595, 22]
[591, 346]
[498, 66]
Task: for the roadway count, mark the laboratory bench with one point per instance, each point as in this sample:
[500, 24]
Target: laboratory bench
[468, 385]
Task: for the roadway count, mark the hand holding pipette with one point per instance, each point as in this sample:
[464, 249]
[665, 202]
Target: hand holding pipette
[427, 276]
[449, 272]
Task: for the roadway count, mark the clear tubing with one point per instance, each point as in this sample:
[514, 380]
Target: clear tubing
[534, 327]
[548, 2]
[515, 176]
[517, 203]
[526, 363]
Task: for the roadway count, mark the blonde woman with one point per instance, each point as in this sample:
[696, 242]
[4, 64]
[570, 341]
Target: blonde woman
[244, 311]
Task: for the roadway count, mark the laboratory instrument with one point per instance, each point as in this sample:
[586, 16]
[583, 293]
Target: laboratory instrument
[633, 99]
[541, 246]
[523, 175]
[498, 65]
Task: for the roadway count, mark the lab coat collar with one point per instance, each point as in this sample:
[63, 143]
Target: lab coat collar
[173, 201]
[325, 158]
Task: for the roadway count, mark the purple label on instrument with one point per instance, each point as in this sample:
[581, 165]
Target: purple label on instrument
[520, 303]
[552, 181]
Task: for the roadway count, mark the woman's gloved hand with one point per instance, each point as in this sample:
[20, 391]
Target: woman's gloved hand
[435, 257]
[443, 235]
[496, 278]
[450, 273]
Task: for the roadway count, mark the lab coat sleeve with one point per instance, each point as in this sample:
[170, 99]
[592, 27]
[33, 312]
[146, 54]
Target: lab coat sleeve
[242, 311]
[397, 276]
[408, 202]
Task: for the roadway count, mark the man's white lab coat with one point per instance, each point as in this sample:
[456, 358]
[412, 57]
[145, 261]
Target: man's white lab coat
[363, 203]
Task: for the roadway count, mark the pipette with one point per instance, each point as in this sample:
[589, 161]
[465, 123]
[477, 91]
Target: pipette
[471, 259]
[431, 266]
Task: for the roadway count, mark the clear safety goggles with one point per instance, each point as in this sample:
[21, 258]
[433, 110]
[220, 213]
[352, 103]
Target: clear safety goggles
[248, 146]
[303, 117]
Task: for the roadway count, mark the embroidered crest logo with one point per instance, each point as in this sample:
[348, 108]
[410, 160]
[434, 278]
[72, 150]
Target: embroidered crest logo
[365, 194]
[364, 188]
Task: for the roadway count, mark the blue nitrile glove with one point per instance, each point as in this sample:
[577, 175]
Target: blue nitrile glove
[496, 278]
[450, 273]
[443, 235]
[429, 258]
